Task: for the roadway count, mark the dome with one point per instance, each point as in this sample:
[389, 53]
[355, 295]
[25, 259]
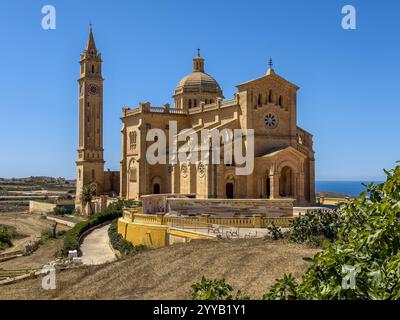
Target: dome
[198, 82]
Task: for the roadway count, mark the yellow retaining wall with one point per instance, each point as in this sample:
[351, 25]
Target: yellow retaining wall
[159, 230]
[155, 236]
[332, 201]
[256, 221]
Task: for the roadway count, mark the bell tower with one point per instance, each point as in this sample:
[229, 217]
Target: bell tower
[90, 163]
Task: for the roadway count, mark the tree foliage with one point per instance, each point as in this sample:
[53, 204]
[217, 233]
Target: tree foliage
[368, 241]
[315, 226]
[216, 289]
[87, 196]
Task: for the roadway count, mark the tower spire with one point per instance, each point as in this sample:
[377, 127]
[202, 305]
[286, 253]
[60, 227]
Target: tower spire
[91, 44]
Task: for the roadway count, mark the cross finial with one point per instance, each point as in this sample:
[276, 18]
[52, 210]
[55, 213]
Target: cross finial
[270, 63]
[90, 26]
[198, 52]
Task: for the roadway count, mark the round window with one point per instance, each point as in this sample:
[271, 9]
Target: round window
[271, 121]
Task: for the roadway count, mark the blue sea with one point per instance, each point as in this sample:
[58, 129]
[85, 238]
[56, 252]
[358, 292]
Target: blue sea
[350, 188]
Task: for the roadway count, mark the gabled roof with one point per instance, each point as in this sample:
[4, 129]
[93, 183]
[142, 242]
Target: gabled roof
[276, 151]
[270, 75]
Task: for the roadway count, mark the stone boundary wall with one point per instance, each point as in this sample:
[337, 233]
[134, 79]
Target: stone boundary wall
[41, 207]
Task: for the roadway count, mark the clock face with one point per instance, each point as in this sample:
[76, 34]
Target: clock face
[93, 89]
[271, 121]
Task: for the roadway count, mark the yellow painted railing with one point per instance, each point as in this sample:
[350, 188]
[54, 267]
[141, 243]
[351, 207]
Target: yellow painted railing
[204, 220]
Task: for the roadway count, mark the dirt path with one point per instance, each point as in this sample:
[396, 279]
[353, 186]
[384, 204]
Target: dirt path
[96, 248]
[46, 253]
[251, 265]
[28, 225]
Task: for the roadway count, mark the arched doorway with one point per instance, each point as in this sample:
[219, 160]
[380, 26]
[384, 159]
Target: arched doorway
[229, 190]
[286, 182]
[156, 189]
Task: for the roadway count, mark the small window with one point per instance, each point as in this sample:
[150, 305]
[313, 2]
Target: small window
[194, 103]
[92, 68]
[93, 175]
[190, 103]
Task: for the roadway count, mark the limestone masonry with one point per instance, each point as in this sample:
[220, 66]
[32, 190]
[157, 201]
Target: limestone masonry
[283, 160]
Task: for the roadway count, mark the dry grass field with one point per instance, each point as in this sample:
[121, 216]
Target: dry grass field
[251, 265]
[30, 226]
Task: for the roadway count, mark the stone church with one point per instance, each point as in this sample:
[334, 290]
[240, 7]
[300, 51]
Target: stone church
[283, 160]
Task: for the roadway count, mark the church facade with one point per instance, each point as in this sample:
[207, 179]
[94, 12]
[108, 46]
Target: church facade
[284, 161]
[283, 152]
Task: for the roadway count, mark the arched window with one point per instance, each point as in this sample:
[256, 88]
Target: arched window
[190, 103]
[270, 96]
[280, 101]
[79, 174]
[132, 139]
[92, 68]
[194, 103]
[259, 100]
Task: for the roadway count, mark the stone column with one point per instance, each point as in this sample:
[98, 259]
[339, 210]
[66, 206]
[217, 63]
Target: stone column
[274, 178]
[301, 188]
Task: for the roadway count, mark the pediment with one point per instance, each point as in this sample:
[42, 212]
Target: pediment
[270, 76]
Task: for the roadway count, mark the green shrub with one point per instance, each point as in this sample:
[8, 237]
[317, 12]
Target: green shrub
[119, 243]
[216, 289]
[283, 289]
[60, 211]
[6, 236]
[113, 211]
[315, 226]
[369, 242]
[275, 232]
[46, 234]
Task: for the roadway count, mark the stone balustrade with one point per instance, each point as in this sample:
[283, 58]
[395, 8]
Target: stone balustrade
[205, 220]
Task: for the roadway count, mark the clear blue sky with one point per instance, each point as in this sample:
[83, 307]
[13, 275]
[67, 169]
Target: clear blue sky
[349, 97]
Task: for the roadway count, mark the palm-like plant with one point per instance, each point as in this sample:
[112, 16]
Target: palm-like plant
[88, 193]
